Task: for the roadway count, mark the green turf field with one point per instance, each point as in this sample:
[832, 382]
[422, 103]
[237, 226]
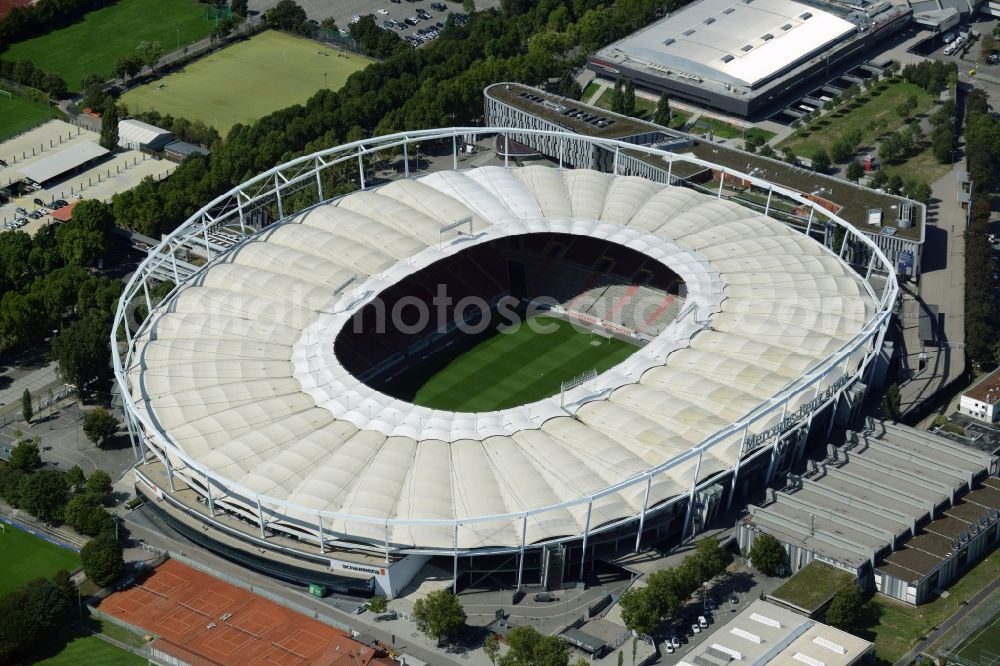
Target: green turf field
[24, 557]
[521, 366]
[985, 640]
[247, 80]
[93, 44]
[91, 651]
[18, 114]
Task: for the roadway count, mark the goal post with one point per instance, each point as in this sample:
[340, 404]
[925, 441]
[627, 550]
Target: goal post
[6, 94]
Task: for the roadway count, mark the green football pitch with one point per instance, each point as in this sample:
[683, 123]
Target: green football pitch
[247, 80]
[24, 557]
[18, 114]
[519, 366]
[88, 650]
[93, 44]
[985, 640]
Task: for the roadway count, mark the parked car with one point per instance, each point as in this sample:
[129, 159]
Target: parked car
[439, 6]
[21, 211]
[702, 621]
[695, 629]
[544, 596]
[675, 642]
[711, 604]
[359, 610]
[39, 202]
[383, 12]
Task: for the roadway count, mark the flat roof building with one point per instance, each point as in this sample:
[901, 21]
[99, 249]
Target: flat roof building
[740, 55]
[768, 634]
[137, 135]
[890, 507]
[63, 162]
[983, 399]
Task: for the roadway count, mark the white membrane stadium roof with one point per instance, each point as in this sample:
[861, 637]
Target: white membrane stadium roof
[734, 41]
[237, 368]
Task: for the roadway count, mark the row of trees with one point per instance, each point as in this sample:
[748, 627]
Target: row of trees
[931, 75]
[27, 74]
[42, 17]
[982, 153]
[666, 591]
[623, 98]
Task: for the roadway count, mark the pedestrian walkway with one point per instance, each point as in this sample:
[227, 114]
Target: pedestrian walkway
[36, 381]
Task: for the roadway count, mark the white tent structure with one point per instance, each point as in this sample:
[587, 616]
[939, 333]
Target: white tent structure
[234, 386]
[137, 135]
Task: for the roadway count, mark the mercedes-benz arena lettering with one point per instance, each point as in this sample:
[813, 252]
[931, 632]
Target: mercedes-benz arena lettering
[268, 432]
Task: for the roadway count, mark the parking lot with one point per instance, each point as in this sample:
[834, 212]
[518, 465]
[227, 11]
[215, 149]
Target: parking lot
[122, 171]
[342, 11]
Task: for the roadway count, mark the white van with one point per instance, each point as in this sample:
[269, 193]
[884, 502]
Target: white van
[702, 622]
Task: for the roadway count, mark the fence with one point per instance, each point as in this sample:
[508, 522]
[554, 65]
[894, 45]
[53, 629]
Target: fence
[43, 403]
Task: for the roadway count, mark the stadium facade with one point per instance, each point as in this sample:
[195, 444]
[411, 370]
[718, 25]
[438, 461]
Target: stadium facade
[746, 56]
[264, 433]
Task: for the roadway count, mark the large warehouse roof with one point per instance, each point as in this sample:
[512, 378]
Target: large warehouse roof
[239, 370]
[63, 161]
[736, 42]
[132, 133]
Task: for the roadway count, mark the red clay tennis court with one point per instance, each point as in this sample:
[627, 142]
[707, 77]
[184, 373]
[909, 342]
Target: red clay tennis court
[7, 5]
[203, 620]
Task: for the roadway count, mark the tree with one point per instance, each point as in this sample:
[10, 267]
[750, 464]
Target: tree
[100, 425]
[43, 495]
[149, 53]
[127, 67]
[628, 99]
[109, 125]
[240, 7]
[891, 403]
[617, 103]
[469, 6]
[439, 615]
[378, 604]
[98, 484]
[102, 559]
[87, 236]
[27, 411]
[846, 611]
[768, 555]
[26, 456]
[32, 613]
[766, 150]
[640, 610]
[621, 658]
[662, 114]
[943, 143]
[855, 171]
[635, 648]
[286, 15]
[491, 646]
[75, 477]
[711, 558]
[789, 155]
[821, 160]
[82, 352]
[85, 514]
[528, 647]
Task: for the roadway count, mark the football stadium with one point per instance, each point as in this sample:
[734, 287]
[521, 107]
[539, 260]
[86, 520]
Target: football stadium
[513, 371]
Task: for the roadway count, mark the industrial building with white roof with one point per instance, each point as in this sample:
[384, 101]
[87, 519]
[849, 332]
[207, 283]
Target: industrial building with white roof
[241, 389]
[740, 56]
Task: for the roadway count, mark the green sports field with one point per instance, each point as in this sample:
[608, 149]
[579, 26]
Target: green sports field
[247, 80]
[519, 366]
[985, 640]
[24, 557]
[91, 651]
[18, 114]
[93, 44]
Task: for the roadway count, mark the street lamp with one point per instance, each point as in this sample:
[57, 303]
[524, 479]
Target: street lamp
[178, 38]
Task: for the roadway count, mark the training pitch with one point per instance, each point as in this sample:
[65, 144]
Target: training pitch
[18, 114]
[247, 80]
[519, 366]
[93, 44]
[24, 557]
[985, 640]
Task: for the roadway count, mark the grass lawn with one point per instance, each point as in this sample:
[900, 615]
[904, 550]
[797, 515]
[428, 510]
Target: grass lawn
[862, 117]
[93, 44]
[899, 626]
[644, 108]
[247, 80]
[513, 368]
[89, 650]
[922, 167]
[591, 88]
[20, 113]
[812, 585]
[24, 557]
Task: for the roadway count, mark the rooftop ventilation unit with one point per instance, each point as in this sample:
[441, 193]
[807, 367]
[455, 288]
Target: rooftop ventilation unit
[830, 645]
[668, 42]
[710, 20]
[767, 36]
[688, 33]
[736, 631]
[729, 10]
[806, 659]
[730, 652]
[728, 58]
[763, 619]
[786, 27]
[805, 16]
[747, 48]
